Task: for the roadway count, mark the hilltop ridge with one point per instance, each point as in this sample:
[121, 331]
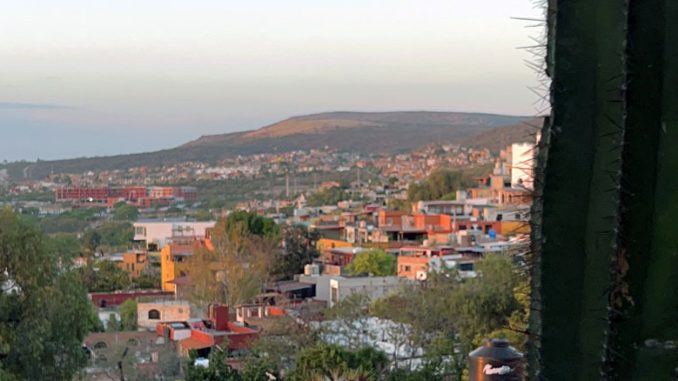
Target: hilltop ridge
[363, 132]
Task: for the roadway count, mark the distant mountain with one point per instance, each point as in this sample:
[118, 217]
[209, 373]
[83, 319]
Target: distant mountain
[382, 132]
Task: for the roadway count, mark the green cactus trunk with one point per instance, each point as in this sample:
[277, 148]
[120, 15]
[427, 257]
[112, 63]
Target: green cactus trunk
[605, 274]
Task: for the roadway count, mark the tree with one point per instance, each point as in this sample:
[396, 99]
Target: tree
[334, 363]
[44, 310]
[275, 349]
[128, 315]
[234, 272]
[374, 262]
[90, 241]
[442, 183]
[243, 223]
[217, 370]
[259, 369]
[113, 324]
[397, 204]
[298, 249]
[123, 211]
[329, 196]
[115, 233]
[63, 246]
[449, 316]
[169, 364]
[204, 215]
[346, 321]
[104, 276]
[484, 304]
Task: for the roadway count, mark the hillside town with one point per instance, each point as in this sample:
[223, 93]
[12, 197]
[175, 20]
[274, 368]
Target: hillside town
[361, 241]
[338, 191]
[274, 178]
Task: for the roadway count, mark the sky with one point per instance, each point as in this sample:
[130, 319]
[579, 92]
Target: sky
[96, 77]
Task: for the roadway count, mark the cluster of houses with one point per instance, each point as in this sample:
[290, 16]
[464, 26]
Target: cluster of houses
[491, 217]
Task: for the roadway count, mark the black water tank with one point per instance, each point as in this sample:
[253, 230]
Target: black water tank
[496, 360]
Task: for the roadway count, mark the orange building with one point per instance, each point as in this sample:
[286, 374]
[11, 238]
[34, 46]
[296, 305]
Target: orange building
[134, 262]
[390, 217]
[411, 266]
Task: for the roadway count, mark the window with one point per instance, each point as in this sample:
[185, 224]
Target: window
[139, 230]
[154, 315]
[100, 345]
[466, 267]
[407, 268]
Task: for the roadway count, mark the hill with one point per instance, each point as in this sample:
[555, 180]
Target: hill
[382, 132]
[498, 138]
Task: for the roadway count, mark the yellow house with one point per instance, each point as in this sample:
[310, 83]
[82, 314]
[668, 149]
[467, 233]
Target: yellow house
[173, 258]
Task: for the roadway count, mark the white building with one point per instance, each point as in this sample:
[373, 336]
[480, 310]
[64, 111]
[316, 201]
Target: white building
[522, 164]
[157, 234]
[334, 288]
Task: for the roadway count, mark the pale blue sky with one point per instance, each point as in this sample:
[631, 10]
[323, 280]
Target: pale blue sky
[94, 77]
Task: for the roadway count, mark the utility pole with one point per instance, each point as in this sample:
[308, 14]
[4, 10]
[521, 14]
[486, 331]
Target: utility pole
[122, 375]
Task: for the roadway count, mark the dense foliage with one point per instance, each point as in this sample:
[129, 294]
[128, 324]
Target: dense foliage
[448, 316]
[374, 262]
[440, 185]
[128, 315]
[109, 234]
[123, 211]
[44, 310]
[217, 370]
[73, 221]
[249, 250]
[104, 276]
[242, 223]
[334, 363]
[298, 249]
[329, 196]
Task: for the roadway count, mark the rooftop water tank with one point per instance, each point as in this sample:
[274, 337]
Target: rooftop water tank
[496, 360]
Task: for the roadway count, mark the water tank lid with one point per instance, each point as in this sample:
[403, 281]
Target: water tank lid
[497, 343]
[496, 349]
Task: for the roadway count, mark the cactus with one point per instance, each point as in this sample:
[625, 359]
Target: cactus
[605, 266]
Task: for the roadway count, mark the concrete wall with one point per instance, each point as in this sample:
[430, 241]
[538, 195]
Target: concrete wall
[373, 287]
[322, 285]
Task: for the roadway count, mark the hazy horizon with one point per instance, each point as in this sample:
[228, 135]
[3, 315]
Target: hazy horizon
[85, 79]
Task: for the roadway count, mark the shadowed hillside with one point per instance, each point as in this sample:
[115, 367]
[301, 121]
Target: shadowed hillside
[385, 132]
[498, 138]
